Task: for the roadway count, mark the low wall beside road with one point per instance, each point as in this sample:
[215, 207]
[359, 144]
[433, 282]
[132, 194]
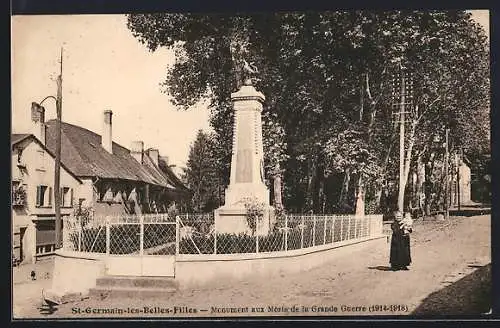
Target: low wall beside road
[193, 270]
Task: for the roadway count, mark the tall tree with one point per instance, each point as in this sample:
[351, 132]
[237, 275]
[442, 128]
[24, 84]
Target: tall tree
[201, 174]
[327, 81]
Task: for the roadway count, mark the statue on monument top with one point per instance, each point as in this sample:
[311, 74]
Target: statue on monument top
[249, 70]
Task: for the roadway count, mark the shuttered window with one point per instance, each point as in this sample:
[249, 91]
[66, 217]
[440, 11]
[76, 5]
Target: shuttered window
[66, 197]
[40, 195]
[50, 196]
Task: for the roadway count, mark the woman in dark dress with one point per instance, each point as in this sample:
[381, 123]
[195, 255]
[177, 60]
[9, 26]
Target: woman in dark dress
[400, 243]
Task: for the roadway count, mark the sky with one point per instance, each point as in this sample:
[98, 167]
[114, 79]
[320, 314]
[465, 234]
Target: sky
[104, 67]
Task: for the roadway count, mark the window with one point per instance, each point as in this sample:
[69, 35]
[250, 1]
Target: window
[66, 197]
[40, 195]
[43, 196]
[41, 161]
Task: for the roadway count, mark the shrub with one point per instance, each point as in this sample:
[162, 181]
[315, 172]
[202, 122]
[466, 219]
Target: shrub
[254, 212]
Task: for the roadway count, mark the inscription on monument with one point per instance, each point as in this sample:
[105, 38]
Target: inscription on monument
[244, 153]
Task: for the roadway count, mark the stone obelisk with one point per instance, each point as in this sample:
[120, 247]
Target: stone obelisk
[247, 165]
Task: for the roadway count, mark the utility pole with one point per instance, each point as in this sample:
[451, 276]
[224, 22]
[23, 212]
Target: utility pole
[57, 171]
[458, 156]
[401, 143]
[446, 193]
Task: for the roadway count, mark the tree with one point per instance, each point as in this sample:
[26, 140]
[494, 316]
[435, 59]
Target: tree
[327, 79]
[201, 174]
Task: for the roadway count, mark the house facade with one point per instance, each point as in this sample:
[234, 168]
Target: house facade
[33, 207]
[116, 180]
[461, 182]
[96, 173]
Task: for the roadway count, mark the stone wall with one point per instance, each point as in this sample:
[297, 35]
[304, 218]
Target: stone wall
[197, 270]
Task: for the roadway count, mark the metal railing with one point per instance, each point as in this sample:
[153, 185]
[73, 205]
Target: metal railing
[290, 232]
[161, 234]
[149, 234]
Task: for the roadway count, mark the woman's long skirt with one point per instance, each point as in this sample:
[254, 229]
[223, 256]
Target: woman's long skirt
[400, 251]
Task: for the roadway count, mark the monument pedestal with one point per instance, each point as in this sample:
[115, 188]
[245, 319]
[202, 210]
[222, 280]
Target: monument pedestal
[247, 167]
[233, 220]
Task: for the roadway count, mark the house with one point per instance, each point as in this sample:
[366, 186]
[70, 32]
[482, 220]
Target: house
[116, 180]
[33, 210]
[461, 182]
[106, 177]
[481, 179]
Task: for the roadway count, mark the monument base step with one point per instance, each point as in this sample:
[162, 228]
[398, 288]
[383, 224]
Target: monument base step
[132, 287]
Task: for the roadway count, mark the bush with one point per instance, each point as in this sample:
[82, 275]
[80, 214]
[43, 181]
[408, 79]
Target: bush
[254, 212]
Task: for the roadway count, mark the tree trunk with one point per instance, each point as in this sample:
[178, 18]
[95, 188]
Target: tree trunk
[429, 168]
[360, 197]
[407, 160]
[380, 187]
[310, 186]
[420, 184]
[277, 188]
[320, 177]
[345, 189]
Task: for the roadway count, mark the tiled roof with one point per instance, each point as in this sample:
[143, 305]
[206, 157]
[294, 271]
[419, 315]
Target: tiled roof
[171, 175]
[82, 153]
[16, 137]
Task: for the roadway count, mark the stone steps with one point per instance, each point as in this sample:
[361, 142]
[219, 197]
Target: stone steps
[133, 287]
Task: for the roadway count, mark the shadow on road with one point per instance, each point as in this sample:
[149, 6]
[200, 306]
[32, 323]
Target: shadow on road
[380, 268]
[469, 295]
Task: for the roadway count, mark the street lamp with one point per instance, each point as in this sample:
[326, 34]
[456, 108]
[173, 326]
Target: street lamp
[57, 171]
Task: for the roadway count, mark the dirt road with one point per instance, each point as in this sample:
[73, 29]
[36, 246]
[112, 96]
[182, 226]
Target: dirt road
[444, 254]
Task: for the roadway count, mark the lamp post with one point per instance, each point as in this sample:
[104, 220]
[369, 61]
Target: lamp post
[57, 170]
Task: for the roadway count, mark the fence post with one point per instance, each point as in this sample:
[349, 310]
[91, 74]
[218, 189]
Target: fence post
[141, 235]
[177, 235]
[79, 234]
[256, 242]
[349, 227]
[108, 237]
[314, 230]
[324, 231]
[356, 226]
[369, 225]
[286, 232]
[366, 225]
[215, 234]
[302, 232]
[341, 228]
[334, 218]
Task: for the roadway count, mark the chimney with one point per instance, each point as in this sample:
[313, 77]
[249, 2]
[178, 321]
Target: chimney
[107, 136]
[154, 154]
[165, 159]
[136, 150]
[38, 121]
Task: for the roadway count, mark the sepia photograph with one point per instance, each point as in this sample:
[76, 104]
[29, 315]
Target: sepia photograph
[218, 165]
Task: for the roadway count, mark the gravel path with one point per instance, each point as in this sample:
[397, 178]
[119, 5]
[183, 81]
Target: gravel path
[355, 284]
